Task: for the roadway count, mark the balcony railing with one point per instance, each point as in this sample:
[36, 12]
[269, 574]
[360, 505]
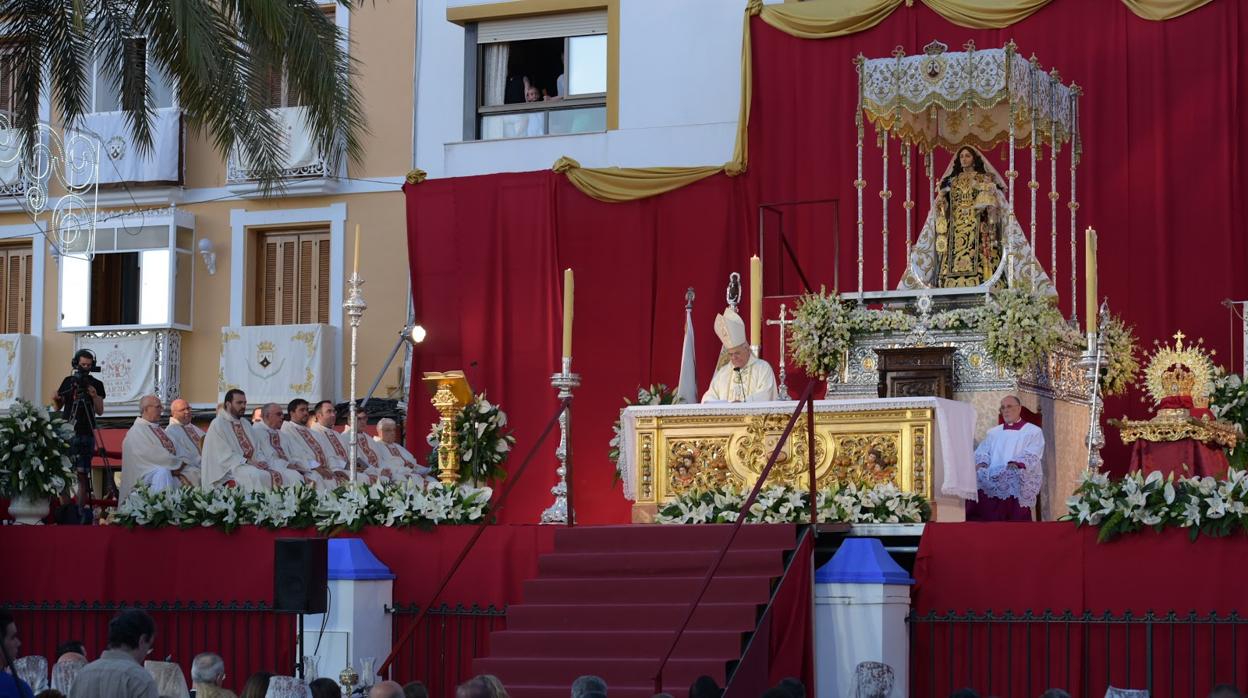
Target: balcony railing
[302, 157]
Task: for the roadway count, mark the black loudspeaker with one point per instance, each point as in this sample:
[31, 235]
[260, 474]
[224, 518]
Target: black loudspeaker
[300, 575]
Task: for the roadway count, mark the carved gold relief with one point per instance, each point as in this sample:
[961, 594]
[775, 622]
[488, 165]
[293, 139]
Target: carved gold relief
[698, 464]
[762, 433]
[863, 458]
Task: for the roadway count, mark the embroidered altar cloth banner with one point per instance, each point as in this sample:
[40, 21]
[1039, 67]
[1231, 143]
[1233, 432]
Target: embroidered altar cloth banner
[276, 363]
[17, 368]
[120, 159]
[127, 366]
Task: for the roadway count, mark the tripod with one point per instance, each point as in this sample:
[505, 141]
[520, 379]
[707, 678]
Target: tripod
[81, 402]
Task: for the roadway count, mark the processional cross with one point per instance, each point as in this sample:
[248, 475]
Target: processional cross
[783, 322]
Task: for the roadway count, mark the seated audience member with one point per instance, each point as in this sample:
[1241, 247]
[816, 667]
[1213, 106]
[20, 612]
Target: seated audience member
[1007, 468]
[476, 687]
[1222, 690]
[208, 676]
[325, 688]
[149, 456]
[587, 684]
[496, 686]
[392, 453]
[794, 686]
[415, 689]
[257, 685]
[705, 687]
[119, 670]
[386, 689]
[10, 645]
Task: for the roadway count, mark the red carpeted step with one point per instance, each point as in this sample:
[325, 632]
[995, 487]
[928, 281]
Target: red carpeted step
[721, 645]
[692, 537]
[562, 671]
[625, 590]
[669, 562]
[658, 616]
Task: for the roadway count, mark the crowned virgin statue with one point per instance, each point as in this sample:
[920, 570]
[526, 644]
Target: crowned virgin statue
[969, 231]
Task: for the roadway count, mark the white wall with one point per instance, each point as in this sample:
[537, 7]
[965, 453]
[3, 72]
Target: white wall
[679, 92]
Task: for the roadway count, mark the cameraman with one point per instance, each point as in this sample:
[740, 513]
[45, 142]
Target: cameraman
[81, 399]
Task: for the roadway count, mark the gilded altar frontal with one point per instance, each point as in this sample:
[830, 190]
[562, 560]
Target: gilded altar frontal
[682, 452]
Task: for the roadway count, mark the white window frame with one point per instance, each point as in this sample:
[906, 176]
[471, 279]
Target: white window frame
[95, 81]
[38, 273]
[245, 225]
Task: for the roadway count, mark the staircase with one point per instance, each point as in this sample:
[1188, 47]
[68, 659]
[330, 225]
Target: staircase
[609, 600]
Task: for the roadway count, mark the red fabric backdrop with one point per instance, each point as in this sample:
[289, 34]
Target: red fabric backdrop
[1162, 179]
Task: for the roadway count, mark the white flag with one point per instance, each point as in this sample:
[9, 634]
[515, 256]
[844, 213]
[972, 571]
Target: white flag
[687, 390]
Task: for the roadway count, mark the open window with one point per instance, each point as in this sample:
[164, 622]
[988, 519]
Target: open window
[542, 75]
[138, 277]
[106, 97]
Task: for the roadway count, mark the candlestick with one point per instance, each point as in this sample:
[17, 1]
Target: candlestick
[568, 292]
[560, 511]
[756, 303]
[1089, 283]
[356, 268]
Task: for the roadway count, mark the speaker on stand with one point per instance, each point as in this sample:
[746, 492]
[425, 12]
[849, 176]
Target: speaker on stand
[300, 581]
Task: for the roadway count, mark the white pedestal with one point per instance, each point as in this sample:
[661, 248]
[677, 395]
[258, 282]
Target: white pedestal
[357, 625]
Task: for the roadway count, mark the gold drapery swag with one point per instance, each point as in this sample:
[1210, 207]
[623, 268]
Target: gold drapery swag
[818, 19]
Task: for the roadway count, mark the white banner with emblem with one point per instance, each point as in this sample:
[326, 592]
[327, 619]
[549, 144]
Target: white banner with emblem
[127, 365]
[276, 363]
[17, 369]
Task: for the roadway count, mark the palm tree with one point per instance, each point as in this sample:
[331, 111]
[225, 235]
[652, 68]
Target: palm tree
[221, 54]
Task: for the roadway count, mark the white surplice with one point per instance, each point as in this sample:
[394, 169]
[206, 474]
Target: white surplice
[754, 382]
[149, 456]
[1001, 446]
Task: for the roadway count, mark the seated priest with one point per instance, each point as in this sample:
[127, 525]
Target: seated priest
[186, 436]
[304, 445]
[149, 456]
[334, 445]
[1007, 467]
[231, 453]
[393, 455]
[276, 448]
[367, 456]
[745, 378]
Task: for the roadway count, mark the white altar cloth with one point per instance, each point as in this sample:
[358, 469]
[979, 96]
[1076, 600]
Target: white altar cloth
[955, 432]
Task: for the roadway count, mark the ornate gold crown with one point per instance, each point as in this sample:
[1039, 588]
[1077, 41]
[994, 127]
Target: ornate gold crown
[266, 345]
[1178, 370]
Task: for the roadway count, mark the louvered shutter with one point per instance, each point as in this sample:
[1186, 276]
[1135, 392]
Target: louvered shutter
[295, 278]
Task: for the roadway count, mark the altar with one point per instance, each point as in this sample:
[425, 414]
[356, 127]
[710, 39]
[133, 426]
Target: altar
[921, 444]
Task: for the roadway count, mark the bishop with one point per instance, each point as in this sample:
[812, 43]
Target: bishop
[745, 377]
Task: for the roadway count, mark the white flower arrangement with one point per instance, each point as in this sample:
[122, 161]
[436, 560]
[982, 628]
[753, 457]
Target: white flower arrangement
[1203, 505]
[34, 453]
[821, 334]
[350, 507]
[484, 441]
[1120, 363]
[658, 394]
[842, 503]
[864, 320]
[1021, 328]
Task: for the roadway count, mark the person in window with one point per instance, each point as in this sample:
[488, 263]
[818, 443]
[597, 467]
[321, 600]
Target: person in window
[535, 124]
[81, 400]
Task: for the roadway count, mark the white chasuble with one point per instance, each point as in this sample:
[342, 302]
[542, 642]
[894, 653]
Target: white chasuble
[148, 455]
[396, 457]
[754, 382]
[230, 454]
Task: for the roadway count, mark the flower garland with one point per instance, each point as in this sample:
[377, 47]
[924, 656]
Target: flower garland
[821, 333]
[1203, 505]
[841, 503]
[1121, 365]
[658, 394]
[34, 453]
[1020, 328]
[484, 443]
[350, 507]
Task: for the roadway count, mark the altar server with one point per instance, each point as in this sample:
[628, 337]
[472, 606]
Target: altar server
[149, 456]
[745, 378]
[393, 455]
[230, 451]
[1007, 468]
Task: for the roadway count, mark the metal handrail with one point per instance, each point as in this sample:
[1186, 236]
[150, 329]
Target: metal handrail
[564, 404]
[806, 400]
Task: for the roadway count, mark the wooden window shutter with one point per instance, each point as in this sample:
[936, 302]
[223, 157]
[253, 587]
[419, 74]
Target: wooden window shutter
[289, 284]
[295, 278]
[133, 74]
[7, 66]
[28, 278]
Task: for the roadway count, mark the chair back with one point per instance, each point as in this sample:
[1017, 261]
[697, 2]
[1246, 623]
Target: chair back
[287, 687]
[33, 669]
[170, 681]
[873, 680]
[64, 672]
[1112, 692]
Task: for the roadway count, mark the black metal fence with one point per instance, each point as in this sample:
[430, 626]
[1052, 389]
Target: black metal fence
[250, 637]
[1010, 654]
[442, 649]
